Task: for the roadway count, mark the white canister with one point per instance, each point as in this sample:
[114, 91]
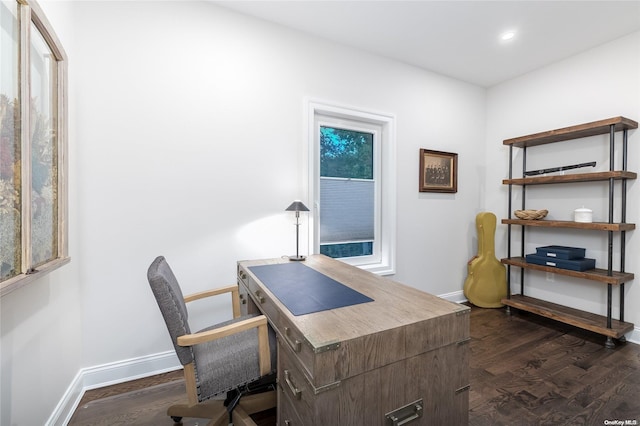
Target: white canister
[583, 215]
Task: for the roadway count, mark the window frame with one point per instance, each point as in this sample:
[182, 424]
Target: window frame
[385, 203]
[30, 17]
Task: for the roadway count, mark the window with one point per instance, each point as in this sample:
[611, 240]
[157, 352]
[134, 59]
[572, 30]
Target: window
[352, 185]
[348, 192]
[33, 195]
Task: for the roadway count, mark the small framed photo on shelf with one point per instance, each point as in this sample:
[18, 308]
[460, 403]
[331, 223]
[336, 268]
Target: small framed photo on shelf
[438, 171]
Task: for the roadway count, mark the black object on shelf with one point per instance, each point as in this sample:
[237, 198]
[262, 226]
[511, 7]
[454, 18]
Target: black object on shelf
[559, 169]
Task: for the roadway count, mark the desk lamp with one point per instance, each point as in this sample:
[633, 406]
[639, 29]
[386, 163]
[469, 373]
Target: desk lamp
[297, 206]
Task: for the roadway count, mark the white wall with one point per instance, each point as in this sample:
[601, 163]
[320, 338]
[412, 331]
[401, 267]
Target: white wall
[601, 83]
[191, 137]
[187, 129]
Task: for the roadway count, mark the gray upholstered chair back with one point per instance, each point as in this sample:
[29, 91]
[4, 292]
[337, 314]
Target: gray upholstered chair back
[171, 303]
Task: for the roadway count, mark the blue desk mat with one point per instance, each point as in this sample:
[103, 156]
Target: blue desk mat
[304, 290]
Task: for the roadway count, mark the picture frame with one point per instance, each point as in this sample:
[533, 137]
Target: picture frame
[438, 171]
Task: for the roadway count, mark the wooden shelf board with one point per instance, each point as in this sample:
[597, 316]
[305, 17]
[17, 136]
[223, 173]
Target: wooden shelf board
[594, 128]
[596, 226]
[571, 178]
[575, 317]
[597, 274]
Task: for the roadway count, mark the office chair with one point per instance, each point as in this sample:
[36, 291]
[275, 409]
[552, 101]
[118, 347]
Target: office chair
[236, 358]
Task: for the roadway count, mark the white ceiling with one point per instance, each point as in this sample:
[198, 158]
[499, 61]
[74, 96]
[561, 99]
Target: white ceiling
[459, 39]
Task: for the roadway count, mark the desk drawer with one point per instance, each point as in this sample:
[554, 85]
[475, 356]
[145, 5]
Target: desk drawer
[294, 386]
[263, 302]
[247, 305]
[242, 276]
[301, 349]
[287, 414]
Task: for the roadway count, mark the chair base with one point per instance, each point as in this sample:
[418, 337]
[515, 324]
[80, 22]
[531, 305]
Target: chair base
[217, 413]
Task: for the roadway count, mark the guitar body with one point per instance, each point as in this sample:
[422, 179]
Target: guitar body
[486, 282]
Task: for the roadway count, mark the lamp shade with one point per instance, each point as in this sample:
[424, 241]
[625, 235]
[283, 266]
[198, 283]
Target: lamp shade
[297, 206]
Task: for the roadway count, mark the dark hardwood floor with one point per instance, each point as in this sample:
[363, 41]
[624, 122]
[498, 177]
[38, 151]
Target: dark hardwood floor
[528, 370]
[524, 370]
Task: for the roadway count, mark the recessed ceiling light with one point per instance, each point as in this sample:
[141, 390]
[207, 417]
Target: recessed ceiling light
[507, 35]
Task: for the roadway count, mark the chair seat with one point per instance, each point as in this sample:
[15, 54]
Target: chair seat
[224, 364]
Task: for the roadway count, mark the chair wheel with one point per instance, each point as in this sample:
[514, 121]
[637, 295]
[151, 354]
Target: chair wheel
[177, 420]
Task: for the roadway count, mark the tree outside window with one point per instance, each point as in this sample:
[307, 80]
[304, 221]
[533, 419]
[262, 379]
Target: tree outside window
[33, 195]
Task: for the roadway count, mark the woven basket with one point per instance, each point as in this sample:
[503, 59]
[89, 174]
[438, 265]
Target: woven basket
[530, 214]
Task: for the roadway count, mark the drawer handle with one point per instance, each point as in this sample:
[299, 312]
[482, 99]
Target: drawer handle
[242, 274]
[294, 390]
[406, 414]
[295, 343]
[259, 297]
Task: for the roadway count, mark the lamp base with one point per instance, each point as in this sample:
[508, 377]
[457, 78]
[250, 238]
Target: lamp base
[297, 258]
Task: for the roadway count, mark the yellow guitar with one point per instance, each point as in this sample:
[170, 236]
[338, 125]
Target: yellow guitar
[486, 282]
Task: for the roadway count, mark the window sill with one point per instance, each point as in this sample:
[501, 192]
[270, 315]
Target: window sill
[24, 279]
[378, 269]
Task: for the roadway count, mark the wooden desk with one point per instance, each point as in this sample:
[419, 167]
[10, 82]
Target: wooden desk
[359, 365]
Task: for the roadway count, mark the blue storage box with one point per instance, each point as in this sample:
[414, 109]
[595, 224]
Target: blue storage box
[572, 264]
[561, 252]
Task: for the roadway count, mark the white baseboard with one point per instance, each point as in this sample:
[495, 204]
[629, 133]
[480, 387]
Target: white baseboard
[130, 369]
[67, 405]
[456, 297]
[110, 374]
[634, 336]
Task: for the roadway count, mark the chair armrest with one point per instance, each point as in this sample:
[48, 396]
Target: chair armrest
[211, 292]
[220, 332]
[233, 289]
[259, 322]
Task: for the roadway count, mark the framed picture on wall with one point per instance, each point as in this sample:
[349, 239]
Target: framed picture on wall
[438, 171]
